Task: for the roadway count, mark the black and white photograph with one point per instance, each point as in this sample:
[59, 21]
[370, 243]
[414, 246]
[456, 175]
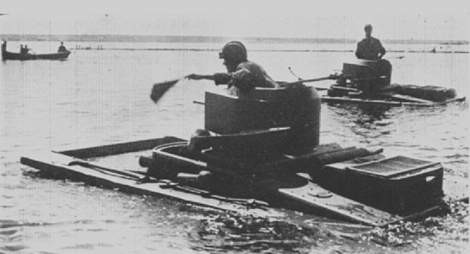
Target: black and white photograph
[215, 126]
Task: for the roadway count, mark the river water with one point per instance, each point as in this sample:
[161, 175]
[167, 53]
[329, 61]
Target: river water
[102, 96]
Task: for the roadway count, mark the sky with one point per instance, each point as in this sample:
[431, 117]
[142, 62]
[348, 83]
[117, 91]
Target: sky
[392, 19]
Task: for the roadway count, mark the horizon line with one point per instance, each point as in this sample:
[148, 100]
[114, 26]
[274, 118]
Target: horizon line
[207, 38]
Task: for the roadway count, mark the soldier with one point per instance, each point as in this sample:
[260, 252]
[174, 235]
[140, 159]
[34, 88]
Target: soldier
[369, 48]
[242, 75]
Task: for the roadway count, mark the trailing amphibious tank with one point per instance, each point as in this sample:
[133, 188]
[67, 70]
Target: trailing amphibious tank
[369, 82]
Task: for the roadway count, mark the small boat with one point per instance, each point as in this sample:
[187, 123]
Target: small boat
[6, 55]
[367, 82]
[260, 155]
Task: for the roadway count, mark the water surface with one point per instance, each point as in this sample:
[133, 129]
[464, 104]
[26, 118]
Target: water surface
[102, 96]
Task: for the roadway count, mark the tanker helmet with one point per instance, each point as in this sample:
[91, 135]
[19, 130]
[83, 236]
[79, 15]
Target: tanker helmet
[234, 51]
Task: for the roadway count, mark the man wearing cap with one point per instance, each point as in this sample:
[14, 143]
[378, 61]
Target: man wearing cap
[369, 48]
[242, 75]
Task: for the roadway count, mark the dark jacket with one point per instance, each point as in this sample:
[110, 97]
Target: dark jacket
[369, 49]
[246, 76]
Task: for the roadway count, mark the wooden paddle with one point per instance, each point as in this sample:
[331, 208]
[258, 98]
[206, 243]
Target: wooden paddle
[159, 89]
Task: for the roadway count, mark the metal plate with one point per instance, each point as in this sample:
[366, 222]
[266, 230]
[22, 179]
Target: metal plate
[392, 166]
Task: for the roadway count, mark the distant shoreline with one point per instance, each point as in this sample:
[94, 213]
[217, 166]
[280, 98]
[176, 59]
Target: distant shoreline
[202, 39]
[271, 50]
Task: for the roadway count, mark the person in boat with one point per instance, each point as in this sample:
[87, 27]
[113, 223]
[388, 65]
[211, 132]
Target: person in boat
[24, 50]
[370, 48]
[62, 48]
[242, 75]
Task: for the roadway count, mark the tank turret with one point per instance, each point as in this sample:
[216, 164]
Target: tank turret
[264, 108]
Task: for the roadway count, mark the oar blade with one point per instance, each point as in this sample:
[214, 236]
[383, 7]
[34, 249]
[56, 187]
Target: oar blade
[159, 89]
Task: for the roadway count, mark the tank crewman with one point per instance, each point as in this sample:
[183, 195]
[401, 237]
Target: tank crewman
[369, 48]
[242, 75]
[61, 47]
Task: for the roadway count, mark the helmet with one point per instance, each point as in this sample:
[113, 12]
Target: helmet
[234, 51]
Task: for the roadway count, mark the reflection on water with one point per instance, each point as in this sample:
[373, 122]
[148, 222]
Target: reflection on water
[99, 97]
